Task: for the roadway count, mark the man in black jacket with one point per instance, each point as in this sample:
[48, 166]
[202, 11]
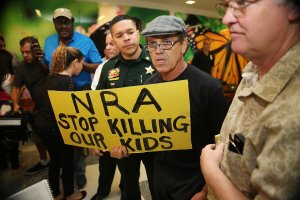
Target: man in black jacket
[177, 174]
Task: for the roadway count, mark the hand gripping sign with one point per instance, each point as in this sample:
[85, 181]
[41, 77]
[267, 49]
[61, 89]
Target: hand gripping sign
[143, 118]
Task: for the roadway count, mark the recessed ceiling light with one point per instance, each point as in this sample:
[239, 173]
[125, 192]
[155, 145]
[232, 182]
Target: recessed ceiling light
[190, 2]
[38, 12]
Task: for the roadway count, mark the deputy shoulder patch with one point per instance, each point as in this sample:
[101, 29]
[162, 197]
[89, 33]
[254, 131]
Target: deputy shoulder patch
[114, 74]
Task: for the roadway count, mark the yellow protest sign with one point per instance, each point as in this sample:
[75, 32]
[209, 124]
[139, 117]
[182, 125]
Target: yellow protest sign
[143, 118]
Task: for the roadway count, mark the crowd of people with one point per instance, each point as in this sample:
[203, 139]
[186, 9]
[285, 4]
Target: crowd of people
[257, 154]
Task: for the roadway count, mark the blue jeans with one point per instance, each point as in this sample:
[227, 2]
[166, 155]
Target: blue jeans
[79, 160]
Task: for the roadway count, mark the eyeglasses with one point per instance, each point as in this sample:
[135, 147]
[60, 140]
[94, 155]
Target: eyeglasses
[238, 7]
[167, 45]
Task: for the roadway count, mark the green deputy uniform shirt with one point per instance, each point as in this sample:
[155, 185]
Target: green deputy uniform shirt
[118, 72]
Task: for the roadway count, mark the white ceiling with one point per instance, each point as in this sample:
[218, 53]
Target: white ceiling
[201, 7]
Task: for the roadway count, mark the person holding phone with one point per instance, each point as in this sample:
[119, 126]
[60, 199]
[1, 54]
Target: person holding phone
[31, 73]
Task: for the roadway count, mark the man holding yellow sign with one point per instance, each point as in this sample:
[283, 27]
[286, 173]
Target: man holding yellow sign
[177, 173]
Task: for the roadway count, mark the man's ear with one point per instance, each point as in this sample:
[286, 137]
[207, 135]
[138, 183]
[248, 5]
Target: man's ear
[185, 44]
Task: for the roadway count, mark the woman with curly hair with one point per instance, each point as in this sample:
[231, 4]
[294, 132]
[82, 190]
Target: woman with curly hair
[66, 62]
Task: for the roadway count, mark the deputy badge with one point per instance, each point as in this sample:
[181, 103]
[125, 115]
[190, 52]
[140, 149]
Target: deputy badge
[149, 70]
[114, 74]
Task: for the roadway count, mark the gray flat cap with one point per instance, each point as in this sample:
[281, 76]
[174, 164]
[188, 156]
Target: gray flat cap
[165, 25]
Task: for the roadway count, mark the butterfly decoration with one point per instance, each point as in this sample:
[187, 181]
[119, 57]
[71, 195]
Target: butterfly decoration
[228, 66]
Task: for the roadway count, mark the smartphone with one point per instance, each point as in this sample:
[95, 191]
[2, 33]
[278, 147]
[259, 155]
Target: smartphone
[36, 45]
[35, 41]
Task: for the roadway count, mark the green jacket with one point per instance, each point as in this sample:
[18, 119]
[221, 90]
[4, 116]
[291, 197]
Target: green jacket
[118, 72]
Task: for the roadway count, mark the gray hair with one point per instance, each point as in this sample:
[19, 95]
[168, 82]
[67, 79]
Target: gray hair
[294, 3]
